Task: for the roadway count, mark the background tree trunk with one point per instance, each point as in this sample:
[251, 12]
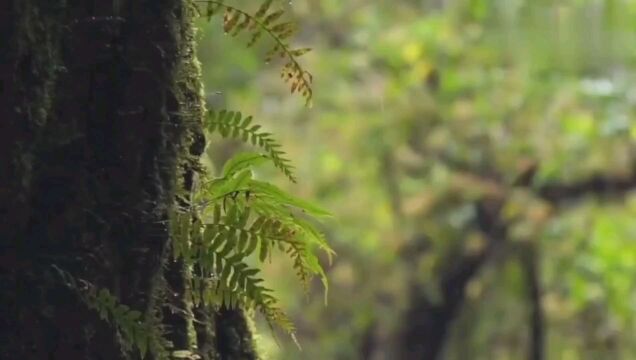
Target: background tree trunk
[530, 262]
[427, 321]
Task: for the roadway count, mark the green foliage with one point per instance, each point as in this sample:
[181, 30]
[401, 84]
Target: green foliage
[231, 124]
[455, 97]
[268, 22]
[234, 217]
[234, 222]
[145, 333]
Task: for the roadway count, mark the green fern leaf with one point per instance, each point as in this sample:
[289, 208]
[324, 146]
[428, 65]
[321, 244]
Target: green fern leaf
[142, 334]
[281, 197]
[234, 217]
[231, 124]
[242, 161]
[315, 236]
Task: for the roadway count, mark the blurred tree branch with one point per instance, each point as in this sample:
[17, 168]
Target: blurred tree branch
[427, 322]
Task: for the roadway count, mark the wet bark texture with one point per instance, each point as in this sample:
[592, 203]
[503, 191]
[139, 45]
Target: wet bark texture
[90, 139]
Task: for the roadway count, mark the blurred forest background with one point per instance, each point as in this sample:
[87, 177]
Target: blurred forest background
[479, 157]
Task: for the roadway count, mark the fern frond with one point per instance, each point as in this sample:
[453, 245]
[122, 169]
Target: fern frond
[241, 162]
[221, 243]
[135, 331]
[222, 251]
[305, 237]
[244, 218]
[235, 217]
[240, 286]
[232, 124]
[264, 21]
[278, 196]
[278, 226]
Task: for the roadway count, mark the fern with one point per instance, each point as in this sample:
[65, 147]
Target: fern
[145, 335]
[232, 124]
[231, 218]
[239, 220]
[264, 21]
[219, 248]
[232, 223]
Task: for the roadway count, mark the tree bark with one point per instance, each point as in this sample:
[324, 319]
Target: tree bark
[234, 336]
[91, 135]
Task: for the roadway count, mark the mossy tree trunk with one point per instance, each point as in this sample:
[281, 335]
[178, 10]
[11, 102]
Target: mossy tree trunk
[100, 106]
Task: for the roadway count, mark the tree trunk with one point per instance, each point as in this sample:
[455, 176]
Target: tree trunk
[235, 340]
[530, 264]
[98, 101]
[427, 321]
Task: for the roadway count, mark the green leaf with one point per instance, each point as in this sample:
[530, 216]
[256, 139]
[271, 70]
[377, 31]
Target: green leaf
[217, 215]
[183, 354]
[142, 344]
[133, 315]
[314, 265]
[246, 122]
[264, 251]
[242, 179]
[242, 161]
[242, 243]
[282, 197]
[227, 186]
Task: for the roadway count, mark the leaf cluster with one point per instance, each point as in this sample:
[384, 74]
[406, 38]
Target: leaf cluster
[232, 218]
[233, 222]
[232, 124]
[266, 21]
[235, 217]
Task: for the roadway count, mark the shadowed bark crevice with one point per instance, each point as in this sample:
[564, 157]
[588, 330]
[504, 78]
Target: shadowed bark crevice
[176, 314]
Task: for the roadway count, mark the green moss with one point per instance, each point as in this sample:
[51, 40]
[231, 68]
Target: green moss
[32, 50]
[188, 91]
[38, 62]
